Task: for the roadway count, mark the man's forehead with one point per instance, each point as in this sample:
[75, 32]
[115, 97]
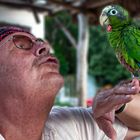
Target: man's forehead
[8, 30]
[23, 33]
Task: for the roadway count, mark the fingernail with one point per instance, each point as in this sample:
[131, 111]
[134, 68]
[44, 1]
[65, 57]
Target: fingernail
[127, 96]
[133, 88]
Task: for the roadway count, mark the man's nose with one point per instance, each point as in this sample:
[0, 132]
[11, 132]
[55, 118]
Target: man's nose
[40, 49]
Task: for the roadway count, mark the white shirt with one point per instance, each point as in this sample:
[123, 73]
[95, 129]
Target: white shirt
[76, 124]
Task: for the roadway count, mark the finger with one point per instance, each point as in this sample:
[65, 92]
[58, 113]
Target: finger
[115, 100]
[119, 99]
[128, 86]
[125, 90]
[107, 127]
[118, 91]
[135, 81]
[102, 105]
[129, 82]
[110, 104]
[124, 82]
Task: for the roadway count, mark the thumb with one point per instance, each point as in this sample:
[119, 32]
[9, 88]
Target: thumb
[107, 127]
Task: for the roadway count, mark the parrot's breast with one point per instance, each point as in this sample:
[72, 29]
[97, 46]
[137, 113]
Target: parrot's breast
[120, 41]
[122, 60]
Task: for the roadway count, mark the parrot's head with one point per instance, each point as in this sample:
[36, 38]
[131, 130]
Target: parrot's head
[113, 16]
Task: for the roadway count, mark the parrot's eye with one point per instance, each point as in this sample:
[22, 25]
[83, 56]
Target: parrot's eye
[113, 12]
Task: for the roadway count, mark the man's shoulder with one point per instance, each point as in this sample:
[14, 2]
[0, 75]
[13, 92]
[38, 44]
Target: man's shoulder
[70, 112]
[69, 115]
[75, 122]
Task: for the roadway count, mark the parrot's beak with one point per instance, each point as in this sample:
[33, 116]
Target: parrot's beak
[103, 19]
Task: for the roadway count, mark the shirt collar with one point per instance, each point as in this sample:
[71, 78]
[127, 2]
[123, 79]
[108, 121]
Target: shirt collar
[1, 137]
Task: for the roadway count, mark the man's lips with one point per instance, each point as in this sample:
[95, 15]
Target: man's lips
[49, 60]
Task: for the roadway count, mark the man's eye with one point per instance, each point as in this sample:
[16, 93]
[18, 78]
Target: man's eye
[20, 46]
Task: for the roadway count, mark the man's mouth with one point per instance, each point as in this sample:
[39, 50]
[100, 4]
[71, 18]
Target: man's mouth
[46, 60]
[49, 60]
[52, 60]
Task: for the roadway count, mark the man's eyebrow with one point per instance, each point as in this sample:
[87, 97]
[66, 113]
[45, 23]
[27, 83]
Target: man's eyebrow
[25, 34]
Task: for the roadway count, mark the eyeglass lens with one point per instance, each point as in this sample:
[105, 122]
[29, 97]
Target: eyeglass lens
[25, 42]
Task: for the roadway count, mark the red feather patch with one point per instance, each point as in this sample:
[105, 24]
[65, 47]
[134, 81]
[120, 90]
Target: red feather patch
[109, 28]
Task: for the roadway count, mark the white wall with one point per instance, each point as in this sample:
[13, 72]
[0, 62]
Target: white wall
[23, 18]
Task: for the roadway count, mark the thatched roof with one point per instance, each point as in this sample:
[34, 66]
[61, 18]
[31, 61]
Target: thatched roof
[91, 8]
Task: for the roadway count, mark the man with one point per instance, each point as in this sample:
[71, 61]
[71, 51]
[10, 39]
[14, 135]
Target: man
[29, 82]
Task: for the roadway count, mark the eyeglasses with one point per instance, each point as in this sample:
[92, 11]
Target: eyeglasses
[23, 42]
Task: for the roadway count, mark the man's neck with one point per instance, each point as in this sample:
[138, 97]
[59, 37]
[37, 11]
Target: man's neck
[23, 120]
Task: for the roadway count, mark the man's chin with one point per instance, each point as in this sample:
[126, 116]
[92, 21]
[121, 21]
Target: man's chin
[59, 80]
[55, 84]
[55, 79]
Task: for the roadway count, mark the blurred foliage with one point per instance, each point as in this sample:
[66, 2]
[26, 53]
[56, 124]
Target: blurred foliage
[63, 49]
[103, 64]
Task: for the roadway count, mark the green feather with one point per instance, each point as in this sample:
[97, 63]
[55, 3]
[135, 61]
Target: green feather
[124, 36]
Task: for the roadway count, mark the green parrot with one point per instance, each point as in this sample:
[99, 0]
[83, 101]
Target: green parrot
[123, 35]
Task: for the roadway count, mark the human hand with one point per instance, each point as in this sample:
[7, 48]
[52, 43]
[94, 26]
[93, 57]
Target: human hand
[107, 101]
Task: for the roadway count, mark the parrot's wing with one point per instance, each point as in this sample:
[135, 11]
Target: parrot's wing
[132, 43]
[136, 22]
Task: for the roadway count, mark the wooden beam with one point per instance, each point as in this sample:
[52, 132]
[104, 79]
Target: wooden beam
[74, 9]
[24, 5]
[98, 4]
[46, 7]
[34, 11]
[64, 4]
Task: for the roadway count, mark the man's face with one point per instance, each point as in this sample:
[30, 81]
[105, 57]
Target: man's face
[31, 70]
